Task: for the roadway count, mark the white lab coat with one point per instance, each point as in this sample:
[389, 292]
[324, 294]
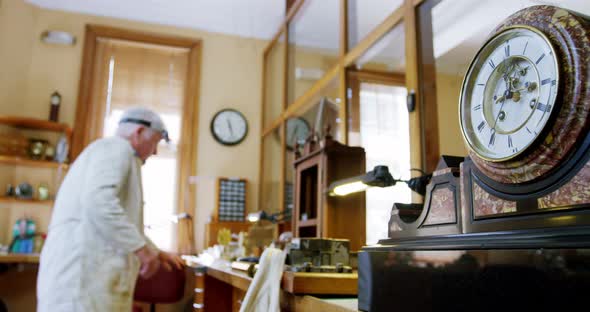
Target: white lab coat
[87, 262]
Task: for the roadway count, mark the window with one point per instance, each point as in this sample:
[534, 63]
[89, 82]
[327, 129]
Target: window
[123, 68]
[385, 135]
[150, 76]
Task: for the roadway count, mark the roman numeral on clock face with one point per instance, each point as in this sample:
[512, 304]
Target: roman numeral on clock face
[492, 138]
[491, 62]
[544, 108]
[481, 126]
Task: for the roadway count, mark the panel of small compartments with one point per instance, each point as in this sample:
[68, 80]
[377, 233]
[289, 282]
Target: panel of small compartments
[232, 200]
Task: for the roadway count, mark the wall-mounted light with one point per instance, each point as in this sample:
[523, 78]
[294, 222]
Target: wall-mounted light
[411, 100]
[58, 37]
[379, 177]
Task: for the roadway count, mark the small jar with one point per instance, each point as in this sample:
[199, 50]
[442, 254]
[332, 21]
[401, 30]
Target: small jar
[43, 192]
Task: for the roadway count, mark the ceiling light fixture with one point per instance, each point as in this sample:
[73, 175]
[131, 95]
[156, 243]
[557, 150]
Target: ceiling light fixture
[58, 37]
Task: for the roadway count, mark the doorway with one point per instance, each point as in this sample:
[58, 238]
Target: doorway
[123, 69]
[381, 125]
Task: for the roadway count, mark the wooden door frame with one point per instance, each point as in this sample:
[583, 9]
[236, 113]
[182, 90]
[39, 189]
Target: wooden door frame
[188, 144]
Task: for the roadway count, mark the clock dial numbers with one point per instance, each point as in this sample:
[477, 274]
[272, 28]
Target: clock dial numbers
[510, 93]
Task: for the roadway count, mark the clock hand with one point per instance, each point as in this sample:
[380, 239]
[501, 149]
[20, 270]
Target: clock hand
[294, 135]
[500, 111]
[231, 132]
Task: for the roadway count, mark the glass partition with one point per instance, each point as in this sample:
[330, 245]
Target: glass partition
[387, 54]
[322, 111]
[382, 64]
[270, 179]
[274, 88]
[379, 122]
[289, 180]
[313, 45]
[365, 15]
[456, 40]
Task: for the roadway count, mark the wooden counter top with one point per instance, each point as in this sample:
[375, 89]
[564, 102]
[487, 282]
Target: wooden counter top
[320, 283]
[291, 282]
[223, 272]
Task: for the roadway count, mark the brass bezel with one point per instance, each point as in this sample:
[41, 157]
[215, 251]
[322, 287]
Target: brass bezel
[470, 145]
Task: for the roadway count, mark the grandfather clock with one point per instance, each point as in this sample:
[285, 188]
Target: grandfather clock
[315, 213]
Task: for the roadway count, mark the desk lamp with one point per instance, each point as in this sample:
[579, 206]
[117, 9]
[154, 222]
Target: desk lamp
[378, 177]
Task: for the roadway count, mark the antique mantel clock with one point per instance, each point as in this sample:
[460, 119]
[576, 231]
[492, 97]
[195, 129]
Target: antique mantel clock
[524, 113]
[509, 223]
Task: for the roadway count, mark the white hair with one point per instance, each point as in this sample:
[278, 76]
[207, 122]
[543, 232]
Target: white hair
[126, 129]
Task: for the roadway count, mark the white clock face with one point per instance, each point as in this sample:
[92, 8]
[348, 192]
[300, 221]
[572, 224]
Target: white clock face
[229, 127]
[297, 131]
[509, 93]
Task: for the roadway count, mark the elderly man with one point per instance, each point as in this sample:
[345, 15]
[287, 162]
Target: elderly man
[95, 247]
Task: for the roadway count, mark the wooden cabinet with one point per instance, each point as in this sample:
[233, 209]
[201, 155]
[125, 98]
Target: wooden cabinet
[18, 165]
[315, 213]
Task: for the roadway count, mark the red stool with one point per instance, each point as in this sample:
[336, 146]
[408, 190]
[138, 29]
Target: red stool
[163, 287]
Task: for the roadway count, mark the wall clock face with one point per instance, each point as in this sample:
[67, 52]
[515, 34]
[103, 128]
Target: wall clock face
[297, 131]
[509, 93]
[229, 127]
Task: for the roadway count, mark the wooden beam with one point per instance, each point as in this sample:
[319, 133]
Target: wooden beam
[262, 121]
[412, 84]
[378, 76]
[187, 147]
[288, 5]
[427, 84]
[342, 84]
[83, 106]
[141, 36]
[283, 129]
[294, 9]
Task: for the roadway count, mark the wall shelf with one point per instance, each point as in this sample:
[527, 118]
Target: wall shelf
[16, 160]
[19, 258]
[4, 199]
[35, 124]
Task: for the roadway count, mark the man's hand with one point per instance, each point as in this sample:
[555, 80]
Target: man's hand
[170, 260]
[150, 262]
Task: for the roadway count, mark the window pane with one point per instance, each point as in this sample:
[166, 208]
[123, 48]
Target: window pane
[269, 200]
[150, 76]
[385, 135]
[388, 54]
[322, 111]
[274, 80]
[365, 15]
[313, 44]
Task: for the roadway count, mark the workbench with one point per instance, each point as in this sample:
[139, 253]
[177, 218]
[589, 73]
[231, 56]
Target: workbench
[220, 288]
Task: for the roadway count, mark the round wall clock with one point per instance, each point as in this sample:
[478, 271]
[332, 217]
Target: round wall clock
[297, 131]
[229, 127]
[525, 100]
